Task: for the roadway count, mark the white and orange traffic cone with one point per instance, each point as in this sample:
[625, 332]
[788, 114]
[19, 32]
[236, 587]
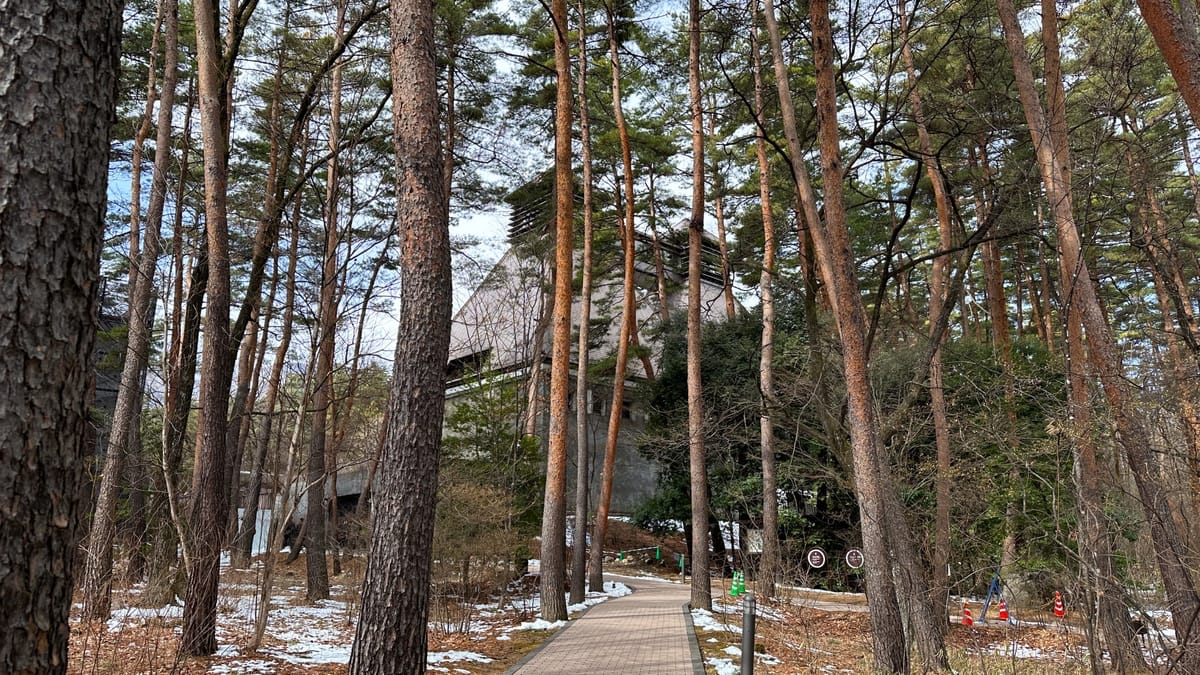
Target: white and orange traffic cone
[1059, 610]
[1003, 610]
[966, 615]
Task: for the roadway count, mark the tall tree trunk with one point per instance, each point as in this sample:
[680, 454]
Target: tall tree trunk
[52, 208]
[887, 540]
[628, 321]
[97, 579]
[391, 633]
[582, 436]
[698, 468]
[207, 508]
[1078, 289]
[939, 276]
[179, 375]
[770, 563]
[554, 606]
[315, 514]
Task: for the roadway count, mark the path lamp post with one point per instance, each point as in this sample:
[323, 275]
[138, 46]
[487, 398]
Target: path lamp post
[748, 634]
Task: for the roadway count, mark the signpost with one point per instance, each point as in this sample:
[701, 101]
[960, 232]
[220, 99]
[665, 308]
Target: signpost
[816, 558]
[855, 558]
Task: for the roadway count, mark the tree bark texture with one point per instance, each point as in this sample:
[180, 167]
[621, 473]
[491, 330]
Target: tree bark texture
[54, 140]
[912, 587]
[206, 512]
[1176, 30]
[391, 633]
[554, 607]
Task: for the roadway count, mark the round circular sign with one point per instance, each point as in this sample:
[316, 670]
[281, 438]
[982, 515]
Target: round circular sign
[816, 558]
[854, 558]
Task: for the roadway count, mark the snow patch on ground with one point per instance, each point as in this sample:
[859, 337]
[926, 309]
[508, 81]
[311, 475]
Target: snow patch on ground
[318, 636]
[704, 619]
[142, 615]
[723, 666]
[821, 591]
[612, 589]
[310, 649]
[250, 666]
[540, 624]
[455, 656]
[759, 610]
[1015, 650]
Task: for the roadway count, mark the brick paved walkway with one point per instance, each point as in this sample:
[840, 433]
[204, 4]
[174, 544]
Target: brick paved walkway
[648, 632]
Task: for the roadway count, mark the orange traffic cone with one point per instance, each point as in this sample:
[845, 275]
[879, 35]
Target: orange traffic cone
[1059, 610]
[1003, 610]
[966, 615]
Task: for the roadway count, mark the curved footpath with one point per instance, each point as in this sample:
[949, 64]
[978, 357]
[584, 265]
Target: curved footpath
[649, 631]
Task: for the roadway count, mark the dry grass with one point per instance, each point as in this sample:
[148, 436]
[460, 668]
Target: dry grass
[803, 639]
[807, 640]
[149, 644]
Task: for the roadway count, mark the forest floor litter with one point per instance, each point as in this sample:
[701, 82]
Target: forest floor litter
[808, 631]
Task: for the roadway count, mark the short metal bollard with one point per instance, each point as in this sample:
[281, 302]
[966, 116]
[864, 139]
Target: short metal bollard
[748, 634]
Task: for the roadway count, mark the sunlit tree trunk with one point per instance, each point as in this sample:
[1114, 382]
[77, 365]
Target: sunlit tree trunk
[1176, 30]
[886, 538]
[554, 607]
[628, 319]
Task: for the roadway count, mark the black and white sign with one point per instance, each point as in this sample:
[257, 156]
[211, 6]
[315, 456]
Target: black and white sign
[816, 558]
[854, 558]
